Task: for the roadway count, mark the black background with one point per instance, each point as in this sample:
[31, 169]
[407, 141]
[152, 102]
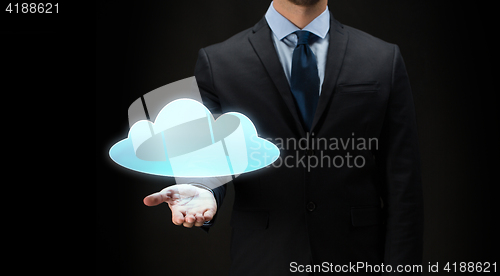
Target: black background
[448, 51]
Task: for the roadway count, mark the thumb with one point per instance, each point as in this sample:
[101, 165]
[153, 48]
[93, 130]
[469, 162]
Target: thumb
[158, 198]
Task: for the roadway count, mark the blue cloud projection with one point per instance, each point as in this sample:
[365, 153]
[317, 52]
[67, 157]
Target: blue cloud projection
[186, 141]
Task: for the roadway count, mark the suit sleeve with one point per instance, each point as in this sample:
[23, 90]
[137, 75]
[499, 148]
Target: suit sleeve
[203, 75]
[399, 163]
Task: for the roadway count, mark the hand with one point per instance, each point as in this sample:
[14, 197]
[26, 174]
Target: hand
[190, 205]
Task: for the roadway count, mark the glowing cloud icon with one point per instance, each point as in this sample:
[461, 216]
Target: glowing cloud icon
[186, 141]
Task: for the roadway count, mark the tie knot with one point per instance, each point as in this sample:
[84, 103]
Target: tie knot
[302, 37]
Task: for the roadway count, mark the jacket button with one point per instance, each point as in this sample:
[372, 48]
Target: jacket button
[311, 206]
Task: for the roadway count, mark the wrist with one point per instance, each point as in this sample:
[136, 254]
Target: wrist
[200, 186]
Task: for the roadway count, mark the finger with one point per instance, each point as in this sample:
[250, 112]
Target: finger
[177, 217]
[189, 221]
[199, 220]
[208, 215]
[158, 198]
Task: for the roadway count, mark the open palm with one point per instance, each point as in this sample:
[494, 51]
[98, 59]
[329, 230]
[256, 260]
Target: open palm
[189, 204]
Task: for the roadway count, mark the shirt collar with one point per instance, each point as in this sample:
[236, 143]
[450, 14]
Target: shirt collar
[282, 27]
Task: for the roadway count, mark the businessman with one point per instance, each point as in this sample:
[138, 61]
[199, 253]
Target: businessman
[300, 75]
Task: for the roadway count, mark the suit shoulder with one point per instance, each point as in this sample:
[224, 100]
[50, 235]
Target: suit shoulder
[234, 42]
[368, 41]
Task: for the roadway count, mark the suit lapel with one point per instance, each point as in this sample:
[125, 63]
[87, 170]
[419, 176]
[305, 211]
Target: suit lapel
[335, 57]
[262, 43]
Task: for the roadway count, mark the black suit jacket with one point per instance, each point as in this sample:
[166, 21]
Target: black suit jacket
[283, 213]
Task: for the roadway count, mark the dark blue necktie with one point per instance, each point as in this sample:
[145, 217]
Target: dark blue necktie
[304, 80]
